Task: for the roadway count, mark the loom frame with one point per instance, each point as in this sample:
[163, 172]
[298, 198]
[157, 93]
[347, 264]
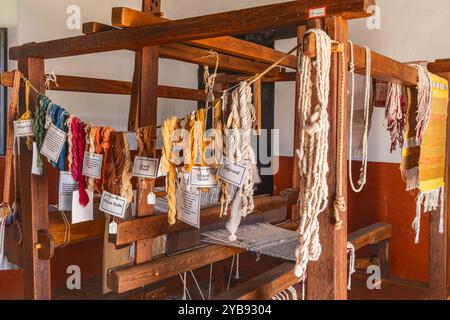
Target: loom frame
[150, 37]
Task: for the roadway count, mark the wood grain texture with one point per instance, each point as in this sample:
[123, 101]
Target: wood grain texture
[327, 277]
[129, 278]
[33, 200]
[264, 286]
[106, 86]
[372, 234]
[135, 229]
[215, 25]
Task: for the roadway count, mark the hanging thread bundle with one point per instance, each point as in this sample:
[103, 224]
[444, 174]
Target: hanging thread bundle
[168, 167]
[313, 151]
[396, 115]
[367, 97]
[146, 145]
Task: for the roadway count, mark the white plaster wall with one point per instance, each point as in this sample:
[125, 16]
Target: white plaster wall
[411, 30]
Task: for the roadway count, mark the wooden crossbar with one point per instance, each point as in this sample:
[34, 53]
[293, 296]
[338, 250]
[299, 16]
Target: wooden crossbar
[215, 25]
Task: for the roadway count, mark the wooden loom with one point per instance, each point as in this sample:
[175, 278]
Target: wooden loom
[151, 37]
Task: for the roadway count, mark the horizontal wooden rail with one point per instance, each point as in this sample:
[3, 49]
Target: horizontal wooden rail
[439, 66]
[231, 78]
[103, 86]
[264, 286]
[128, 278]
[135, 229]
[215, 25]
[370, 235]
[383, 68]
[78, 232]
[126, 18]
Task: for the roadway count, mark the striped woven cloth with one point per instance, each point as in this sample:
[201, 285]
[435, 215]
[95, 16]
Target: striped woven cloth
[423, 163]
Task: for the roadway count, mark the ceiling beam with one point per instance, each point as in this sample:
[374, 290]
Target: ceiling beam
[209, 26]
[129, 18]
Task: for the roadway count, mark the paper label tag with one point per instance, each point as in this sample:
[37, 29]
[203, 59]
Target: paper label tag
[151, 198]
[34, 167]
[160, 174]
[92, 165]
[145, 167]
[232, 173]
[67, 185]
[23, 128]
[188, 207]
[113, 205]
[53, 143]
[317, 12]
[113, 227]
[203, 177]
[80, 213]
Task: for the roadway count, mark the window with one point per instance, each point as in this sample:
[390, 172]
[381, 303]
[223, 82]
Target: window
[3, 90]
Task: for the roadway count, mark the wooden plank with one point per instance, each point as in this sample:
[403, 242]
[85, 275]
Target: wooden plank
[33, 200]
[78, 232]
[209, 26]
[200, 56]
[129, 278]
[439, 66]
[257, 103]
[232, 78]
[104, 86]
[327, 278]
[383, 68]
[264, 286]
[370, 235]
[94, 27]
[126, 18]
[135, 229]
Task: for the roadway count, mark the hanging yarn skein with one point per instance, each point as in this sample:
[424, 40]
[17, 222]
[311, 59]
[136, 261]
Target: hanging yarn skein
[424, 98]
[313, 150]
[367, 97]
[146, 139]
[396, 115]
[241, 151]
[168, 167]
[28, 115]
[79, 145]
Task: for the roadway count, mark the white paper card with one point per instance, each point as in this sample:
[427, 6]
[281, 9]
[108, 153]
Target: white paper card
[203, 177]
[23, 128]
[188, 207]
[233, 173]
[80, 213]
[53, 143]
[145, 167]
[113, 227]
[92, 165]
[151, 198]
[67, 185]
[113, 205]
[34, 167]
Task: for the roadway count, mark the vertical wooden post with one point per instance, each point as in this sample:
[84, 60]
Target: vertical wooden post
[33, 198]
[326, 278]
[438, 249]
[293, 212]
[148, 106]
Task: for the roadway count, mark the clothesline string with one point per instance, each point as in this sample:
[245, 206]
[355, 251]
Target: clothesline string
[251, 80]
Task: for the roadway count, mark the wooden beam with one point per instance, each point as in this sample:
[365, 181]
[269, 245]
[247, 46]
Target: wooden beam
[78, 232]
[327, 278]
[200, 56]
[439, 66]
[33, 199]
[132, 277]
[135, 229]
[209, 26]
[94, 27]
[232, 78]
[370, 235]
[126, 18]
[104, 86]
[264, 286]
[383, 68]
